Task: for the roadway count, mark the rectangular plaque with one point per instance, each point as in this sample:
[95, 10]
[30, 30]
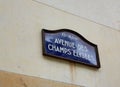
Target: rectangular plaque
[70, 45]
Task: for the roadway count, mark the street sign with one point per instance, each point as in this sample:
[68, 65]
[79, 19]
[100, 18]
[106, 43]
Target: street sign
[70, 45]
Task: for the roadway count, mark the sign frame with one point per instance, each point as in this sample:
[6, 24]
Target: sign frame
[78, 35]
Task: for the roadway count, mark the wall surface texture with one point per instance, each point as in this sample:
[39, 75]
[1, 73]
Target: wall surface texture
[8, 79]
[21, 22]
[105, 12]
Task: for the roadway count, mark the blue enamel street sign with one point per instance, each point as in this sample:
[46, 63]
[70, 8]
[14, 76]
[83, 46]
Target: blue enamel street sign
[70, 45]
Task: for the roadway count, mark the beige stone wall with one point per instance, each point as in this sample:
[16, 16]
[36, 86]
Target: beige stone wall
[104, 12]
[8, 79]
[21, 22]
